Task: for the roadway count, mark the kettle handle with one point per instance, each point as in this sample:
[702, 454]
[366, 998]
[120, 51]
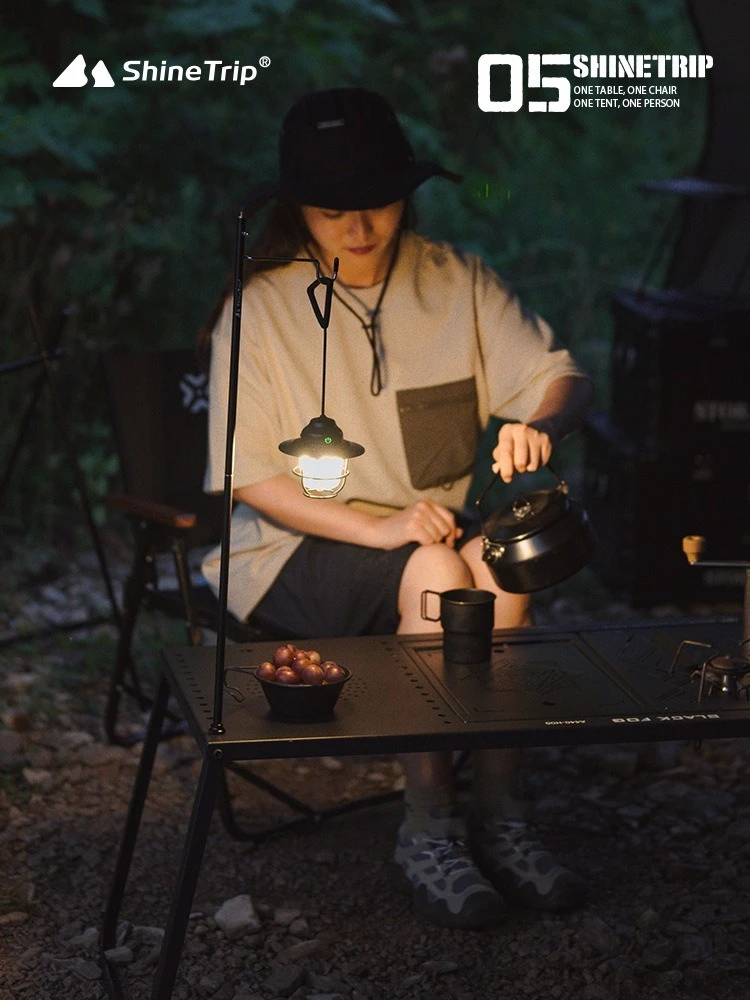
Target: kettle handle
[561, 485]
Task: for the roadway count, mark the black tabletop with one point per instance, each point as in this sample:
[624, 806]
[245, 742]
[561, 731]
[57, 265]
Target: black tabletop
[603, 683]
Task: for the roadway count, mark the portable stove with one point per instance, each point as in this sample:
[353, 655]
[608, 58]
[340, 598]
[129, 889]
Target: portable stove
[725, 674]
[722, 674]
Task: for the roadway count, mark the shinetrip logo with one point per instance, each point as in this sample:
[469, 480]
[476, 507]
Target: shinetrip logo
[74, 75]
[143, 71]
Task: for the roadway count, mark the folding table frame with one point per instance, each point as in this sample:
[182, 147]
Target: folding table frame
[543, 686]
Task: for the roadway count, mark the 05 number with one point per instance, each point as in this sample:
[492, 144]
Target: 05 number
[535, 80]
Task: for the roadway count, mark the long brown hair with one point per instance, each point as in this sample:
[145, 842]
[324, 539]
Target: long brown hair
[281, 235]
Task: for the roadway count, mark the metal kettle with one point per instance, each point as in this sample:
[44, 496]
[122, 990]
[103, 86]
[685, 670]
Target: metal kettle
[537, 540]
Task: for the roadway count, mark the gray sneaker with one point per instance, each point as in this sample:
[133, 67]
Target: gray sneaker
[522, 870]
[446, 886]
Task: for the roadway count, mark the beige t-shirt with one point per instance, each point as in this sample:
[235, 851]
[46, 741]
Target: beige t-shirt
[455, 346]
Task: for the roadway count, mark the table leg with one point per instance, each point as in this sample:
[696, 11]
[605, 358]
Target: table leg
[187, 877]
[133, 821]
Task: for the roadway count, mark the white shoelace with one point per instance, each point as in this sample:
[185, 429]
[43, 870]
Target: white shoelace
[442, 849]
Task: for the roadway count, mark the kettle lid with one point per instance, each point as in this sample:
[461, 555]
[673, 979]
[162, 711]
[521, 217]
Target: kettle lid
[526, 515]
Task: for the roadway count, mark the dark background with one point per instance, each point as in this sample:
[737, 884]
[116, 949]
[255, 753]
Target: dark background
[118, 205]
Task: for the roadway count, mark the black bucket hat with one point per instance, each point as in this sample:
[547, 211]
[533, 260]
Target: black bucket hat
[344, 149]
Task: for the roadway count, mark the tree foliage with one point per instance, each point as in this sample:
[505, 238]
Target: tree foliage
[119, 203]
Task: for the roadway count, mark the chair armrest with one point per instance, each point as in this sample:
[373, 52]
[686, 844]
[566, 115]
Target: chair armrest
[159, 513]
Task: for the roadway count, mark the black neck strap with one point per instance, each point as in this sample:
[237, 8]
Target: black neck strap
[370, 326]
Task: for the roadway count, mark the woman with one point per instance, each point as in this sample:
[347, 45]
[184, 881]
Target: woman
[425, 344]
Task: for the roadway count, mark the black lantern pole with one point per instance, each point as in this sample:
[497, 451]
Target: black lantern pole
[328, 436]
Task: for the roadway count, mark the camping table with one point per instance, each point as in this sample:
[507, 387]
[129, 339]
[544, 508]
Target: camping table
[600, 683]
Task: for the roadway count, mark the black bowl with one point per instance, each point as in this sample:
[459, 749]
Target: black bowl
[303, 701]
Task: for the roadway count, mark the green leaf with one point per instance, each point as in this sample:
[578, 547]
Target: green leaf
[23, 74]
[15, 190]
[91, 194]
[60, 129]
[91, 8]
[377, 11]
[212, 17]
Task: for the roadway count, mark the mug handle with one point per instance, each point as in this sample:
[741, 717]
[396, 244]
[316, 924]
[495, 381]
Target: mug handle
[424, 605]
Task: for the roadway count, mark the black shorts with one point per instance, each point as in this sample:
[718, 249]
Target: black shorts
[329, 588]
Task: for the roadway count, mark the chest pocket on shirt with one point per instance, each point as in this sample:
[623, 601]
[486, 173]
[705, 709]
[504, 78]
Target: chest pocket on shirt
[440, 429]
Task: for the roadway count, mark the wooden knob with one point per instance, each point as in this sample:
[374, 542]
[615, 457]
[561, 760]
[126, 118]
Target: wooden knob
[693, 546]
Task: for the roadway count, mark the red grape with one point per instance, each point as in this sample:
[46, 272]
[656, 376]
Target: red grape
[266, 671]
[285, 675]
[312, 674]
[283, 656]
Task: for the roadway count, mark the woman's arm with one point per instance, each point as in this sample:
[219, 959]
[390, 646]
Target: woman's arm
[526, 447]
[282, 500]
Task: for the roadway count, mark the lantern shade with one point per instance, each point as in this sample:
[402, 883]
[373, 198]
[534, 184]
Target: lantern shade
[322, 436]
[323, 457]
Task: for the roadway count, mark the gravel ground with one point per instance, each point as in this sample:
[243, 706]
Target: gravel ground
[661, 833]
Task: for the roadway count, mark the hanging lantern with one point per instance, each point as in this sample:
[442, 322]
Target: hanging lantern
[323, 457]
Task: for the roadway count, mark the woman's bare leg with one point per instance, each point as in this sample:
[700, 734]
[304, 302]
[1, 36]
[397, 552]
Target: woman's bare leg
[429, 779]
[495, 771]
[437, 567]
[511, 610]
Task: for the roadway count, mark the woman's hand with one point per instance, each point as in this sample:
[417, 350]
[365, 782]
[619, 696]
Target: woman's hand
[281, 499]
[425, 522]
[521, 448]
[527, 447]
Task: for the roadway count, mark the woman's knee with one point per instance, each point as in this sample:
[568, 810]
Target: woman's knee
[511, 610]
[430, 567]
[437, 567]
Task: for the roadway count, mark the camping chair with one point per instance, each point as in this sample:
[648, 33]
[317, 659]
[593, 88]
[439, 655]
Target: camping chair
[159, 407]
